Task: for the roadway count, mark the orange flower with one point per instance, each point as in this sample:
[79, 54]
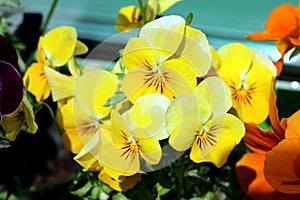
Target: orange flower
[270, 172]
[282, 25]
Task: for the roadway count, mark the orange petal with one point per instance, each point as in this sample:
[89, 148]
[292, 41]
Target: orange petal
[282, 166]
[258, 140]
[278, 24]
[273, 117]
[293, 130]
[250, 173]
[278, 65]
[288, 41]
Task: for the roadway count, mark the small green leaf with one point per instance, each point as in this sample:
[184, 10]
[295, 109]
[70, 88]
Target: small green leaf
[118, 97]
[121, 64]
[10, 3]
[119, 196]
[161, 190]
[4, 142]
[96, 192]
[189, 18]
[83, 190]
[295, 52]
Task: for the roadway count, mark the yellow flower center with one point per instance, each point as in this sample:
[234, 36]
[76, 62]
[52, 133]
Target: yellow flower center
[156, 78]
[242, 94]
[130, 148]
[204, 138]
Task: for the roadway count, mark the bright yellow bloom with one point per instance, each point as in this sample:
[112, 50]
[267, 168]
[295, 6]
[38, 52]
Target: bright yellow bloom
[13, 123]
[82, 118]
[130, 16]
[200, 121]
[55, 49]
[120, 153]
[166, 59]
[249, 75]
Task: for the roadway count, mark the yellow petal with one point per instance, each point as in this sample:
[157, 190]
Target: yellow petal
[88, 157]
[194, 54]
[142, 81]
[228, 131]
[59, 44]
[78, 127]
[74, 68]
[183, 117]
[164, 35]
[61, 85]
[119, 128]
[149, 147]
[13, 123]
[236, 59]
[80, 48]
[40, 56]
[127, 183]
[217, 94]
[92, 90]
[151, 7]
[165, 4]
[216, 61]
[138, 53]
[148, 113]
[38, 83]
[128, 17]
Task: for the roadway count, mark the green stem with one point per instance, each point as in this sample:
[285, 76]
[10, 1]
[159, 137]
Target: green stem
[143, 11]
[59, 129]
[49, 15]
[36, 188]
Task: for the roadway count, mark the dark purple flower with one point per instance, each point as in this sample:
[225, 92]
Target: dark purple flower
[8, 52]
[11, 89]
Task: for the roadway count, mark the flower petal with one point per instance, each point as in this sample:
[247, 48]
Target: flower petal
[11, 89]
[183, 116]
[250, 173]
[148, 113]
[228, 131]
[282, 166]
[164, 35]
[216, 93]
[8, 52]
[194, 53]
[92, 90]
[61, 85]
[279, 23]
[58, 45]
[292, 130]
[38, 83]
[128, 17]
[137, 53]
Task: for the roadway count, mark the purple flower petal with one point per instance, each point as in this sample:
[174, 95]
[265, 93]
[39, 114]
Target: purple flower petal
[8, 52]
[11, 88]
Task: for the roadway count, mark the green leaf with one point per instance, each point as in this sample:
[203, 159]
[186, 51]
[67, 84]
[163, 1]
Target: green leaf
[10, 3]
[83, 190]
[121, 64]
[119, 196]
[161, 190]
[4, 142]
[96, 192]
[295, 52]
[189, 18]
[118, 97]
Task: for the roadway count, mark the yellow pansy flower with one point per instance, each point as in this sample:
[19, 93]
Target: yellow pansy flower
[55, 49]
[120, 152]
[249, 75]
[130, 16]
[13, 123]
[166, 58]
[200, 121]
[83, 117]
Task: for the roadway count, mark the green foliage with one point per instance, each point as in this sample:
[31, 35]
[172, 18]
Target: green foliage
[10, 3]
[4, 142]
[189, 18]
[118, 97]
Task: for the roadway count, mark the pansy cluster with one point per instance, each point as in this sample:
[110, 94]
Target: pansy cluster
[170, 92]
